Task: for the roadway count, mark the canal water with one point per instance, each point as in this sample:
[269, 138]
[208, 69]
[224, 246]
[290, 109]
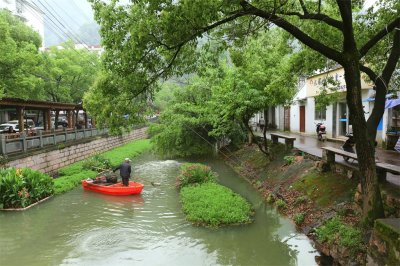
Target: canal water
[86, 228]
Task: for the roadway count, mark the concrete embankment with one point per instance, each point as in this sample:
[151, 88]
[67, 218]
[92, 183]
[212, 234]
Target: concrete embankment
[49, 161]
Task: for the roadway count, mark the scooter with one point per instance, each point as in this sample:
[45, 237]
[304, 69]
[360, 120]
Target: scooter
[349, 145]
[321, 131]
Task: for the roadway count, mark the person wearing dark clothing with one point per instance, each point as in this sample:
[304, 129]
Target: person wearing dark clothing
[124, 171]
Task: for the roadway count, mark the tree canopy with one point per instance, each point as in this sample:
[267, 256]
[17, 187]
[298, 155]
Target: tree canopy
[19, 59]
[152, 40]
[68, 73]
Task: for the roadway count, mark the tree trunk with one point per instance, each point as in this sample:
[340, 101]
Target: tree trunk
[265, 129]
[372, 202]
[56, 119]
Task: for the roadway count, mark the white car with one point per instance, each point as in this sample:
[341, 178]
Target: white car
[5, 128]
[30, 122]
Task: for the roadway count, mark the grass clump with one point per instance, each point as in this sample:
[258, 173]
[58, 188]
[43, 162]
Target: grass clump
[300, 200]
[71, 176]
[289, 159]
[334, 231]
[299, 218]
[194, 174]
[280, 204]
[270, 198]
[211, 204]
[97, 163]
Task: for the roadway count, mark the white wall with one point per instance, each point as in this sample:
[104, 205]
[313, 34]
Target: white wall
[295, 117]
[310, 116]
[329, 121]
[28, 13]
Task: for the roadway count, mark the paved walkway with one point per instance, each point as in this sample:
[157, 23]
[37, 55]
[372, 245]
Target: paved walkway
[311, 145]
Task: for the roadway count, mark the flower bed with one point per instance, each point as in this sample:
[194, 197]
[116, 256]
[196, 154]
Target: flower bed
[20, 188]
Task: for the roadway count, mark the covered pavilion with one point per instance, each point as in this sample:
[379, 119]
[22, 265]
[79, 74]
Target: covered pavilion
[21, 106]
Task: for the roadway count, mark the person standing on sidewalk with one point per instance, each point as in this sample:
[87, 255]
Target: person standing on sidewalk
[124, 171]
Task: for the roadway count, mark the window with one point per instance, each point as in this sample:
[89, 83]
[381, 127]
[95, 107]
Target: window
[19, 6]
[320, 114]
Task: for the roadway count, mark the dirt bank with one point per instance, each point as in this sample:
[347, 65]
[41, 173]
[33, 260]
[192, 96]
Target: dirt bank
[324, 205]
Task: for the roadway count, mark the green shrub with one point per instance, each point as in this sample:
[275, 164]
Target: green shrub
[194, 174]
[280, 204]
[211, 204]
[299, 218]
[22, 187]
[289, 159]
[97, 163]
[335, 231]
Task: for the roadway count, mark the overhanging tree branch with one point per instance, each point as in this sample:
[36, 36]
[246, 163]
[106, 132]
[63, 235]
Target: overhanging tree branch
[379, 35]
[296, 32]
[303, 6]
[320, 17]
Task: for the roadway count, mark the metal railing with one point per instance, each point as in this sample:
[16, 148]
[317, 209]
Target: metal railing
[23, 142]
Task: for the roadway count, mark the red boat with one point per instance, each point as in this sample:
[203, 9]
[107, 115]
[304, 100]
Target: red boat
[114, 189]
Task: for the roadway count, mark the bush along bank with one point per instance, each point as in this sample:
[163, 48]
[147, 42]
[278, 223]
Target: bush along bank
[324, 205]
[71, 176]
[207, 203]
[20, 188]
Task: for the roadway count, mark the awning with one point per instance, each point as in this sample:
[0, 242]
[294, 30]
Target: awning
[392, 103]
[371, 99]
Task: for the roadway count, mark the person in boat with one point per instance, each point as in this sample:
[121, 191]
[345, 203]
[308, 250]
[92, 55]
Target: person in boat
[124, 171]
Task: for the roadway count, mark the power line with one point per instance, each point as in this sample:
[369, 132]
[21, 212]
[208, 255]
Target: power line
[64, 24]
[68, 32]
[55, 28]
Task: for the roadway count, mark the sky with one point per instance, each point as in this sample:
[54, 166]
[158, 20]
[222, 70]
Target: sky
[64, 20]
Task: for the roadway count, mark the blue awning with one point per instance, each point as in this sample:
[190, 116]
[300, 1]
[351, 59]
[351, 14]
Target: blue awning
[392, 103]
[371, 99]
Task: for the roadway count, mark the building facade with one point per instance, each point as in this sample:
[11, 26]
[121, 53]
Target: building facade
[302, 115]
[27, 12]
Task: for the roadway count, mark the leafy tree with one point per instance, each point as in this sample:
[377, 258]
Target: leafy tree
[68, 72]
[264, 66]
[156, 39]
[184, 126]
[111, 104]
[19, 59]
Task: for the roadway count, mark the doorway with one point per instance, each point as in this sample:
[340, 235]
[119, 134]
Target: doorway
[343, 119]
[286, 122]
[302, 118]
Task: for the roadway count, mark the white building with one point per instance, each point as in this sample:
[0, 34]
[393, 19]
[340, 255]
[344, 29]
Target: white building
[97, 49]
[302, 116]
[27, 12]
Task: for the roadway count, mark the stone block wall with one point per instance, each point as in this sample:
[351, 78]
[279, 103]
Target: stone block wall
[50, 161]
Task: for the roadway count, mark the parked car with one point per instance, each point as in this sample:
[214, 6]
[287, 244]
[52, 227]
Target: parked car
[5, 128]
[61, 122]
[29, 122]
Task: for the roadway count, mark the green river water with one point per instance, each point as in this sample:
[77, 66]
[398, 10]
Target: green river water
[85, 228]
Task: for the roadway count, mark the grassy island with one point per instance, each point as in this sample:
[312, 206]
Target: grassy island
[207, 203]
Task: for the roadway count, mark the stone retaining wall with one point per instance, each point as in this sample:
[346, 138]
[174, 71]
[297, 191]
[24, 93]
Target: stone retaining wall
[50, 161]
